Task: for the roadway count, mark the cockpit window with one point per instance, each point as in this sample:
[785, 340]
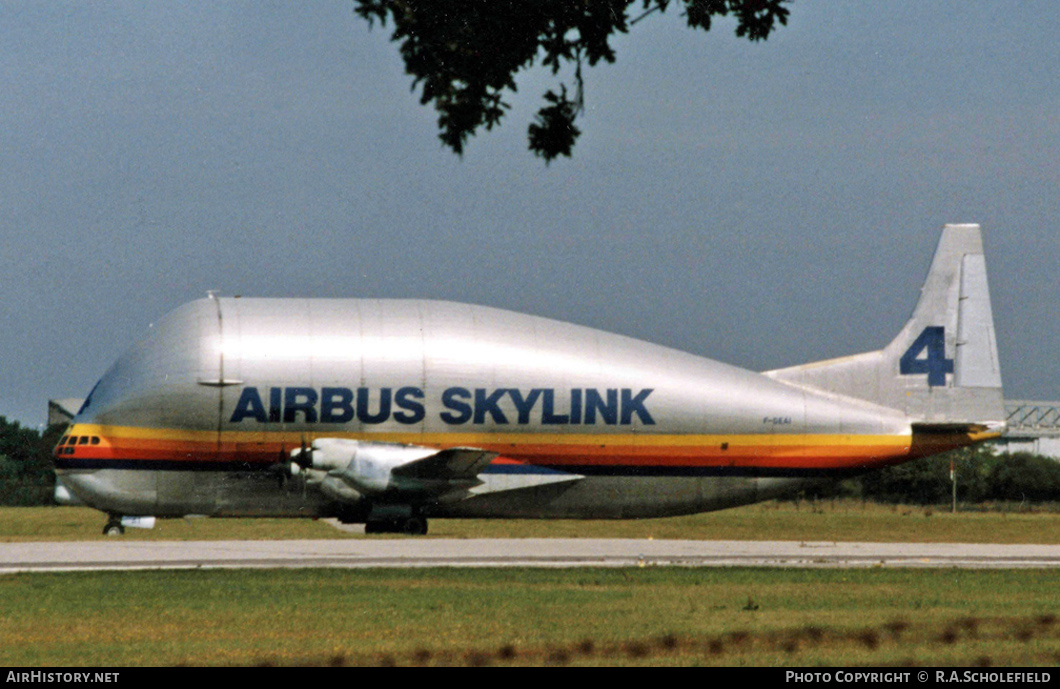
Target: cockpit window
[67, 442]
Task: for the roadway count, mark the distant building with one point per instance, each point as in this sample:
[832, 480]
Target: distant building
[1032, 427]
[63, 411]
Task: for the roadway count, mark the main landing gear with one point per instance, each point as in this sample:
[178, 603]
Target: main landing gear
[412, 526]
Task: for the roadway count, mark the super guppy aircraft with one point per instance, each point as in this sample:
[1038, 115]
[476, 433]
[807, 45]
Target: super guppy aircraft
[388, 412]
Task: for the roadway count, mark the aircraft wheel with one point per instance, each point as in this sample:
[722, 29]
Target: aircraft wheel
[415, 526]
[113, 528]
[382, 527]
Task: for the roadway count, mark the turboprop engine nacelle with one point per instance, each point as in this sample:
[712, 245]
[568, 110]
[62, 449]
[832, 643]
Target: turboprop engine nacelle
[366, 466]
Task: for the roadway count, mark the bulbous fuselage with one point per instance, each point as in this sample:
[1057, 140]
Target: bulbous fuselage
[201, 416]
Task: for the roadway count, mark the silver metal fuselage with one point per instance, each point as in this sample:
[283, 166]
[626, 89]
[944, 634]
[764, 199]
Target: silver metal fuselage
[200, 417]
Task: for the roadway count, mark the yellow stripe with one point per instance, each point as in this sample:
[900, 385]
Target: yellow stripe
[293, 438]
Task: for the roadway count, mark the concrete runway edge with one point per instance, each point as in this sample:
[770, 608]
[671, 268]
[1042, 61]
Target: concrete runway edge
[532, 552]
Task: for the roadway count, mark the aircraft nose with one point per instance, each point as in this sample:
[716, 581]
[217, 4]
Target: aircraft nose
[64, 496]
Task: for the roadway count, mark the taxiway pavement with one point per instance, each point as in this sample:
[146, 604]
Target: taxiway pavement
[528, 552]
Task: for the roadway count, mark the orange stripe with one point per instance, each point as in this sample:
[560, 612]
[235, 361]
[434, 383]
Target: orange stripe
[765, 451]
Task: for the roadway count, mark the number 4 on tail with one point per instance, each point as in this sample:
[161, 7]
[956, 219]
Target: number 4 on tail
[932, 341]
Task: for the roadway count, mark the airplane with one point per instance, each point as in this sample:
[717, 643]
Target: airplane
[392, 412]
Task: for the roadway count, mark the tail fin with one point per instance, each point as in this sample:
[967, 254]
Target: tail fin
[942, 368]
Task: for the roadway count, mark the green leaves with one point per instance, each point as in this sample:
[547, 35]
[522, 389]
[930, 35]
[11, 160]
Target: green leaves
[464, 54]
[553, 132]
[26, 474]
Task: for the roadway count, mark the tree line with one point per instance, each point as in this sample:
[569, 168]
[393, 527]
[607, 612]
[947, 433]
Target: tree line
[981, 476]
[27, 473]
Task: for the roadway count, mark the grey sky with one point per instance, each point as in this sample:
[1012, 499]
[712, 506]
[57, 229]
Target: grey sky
[763, 204]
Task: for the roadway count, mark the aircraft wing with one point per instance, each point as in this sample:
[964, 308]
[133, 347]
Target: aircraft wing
[452, 464]
[375, 468]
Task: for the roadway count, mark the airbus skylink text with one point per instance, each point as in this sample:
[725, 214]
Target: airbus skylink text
[408, 405]
[64, 677]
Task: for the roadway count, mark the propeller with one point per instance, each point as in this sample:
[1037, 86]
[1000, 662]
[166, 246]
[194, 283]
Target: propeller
[301, 458]
[294, 463]
[280, 468]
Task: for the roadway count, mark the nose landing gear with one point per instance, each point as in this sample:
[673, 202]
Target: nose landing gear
[114, 527]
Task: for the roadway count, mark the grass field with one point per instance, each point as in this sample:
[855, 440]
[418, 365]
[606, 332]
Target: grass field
[784, 521]
[645, 616]
[649, 616]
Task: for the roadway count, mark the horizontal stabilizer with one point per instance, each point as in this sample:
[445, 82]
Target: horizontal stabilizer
[977, 430]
